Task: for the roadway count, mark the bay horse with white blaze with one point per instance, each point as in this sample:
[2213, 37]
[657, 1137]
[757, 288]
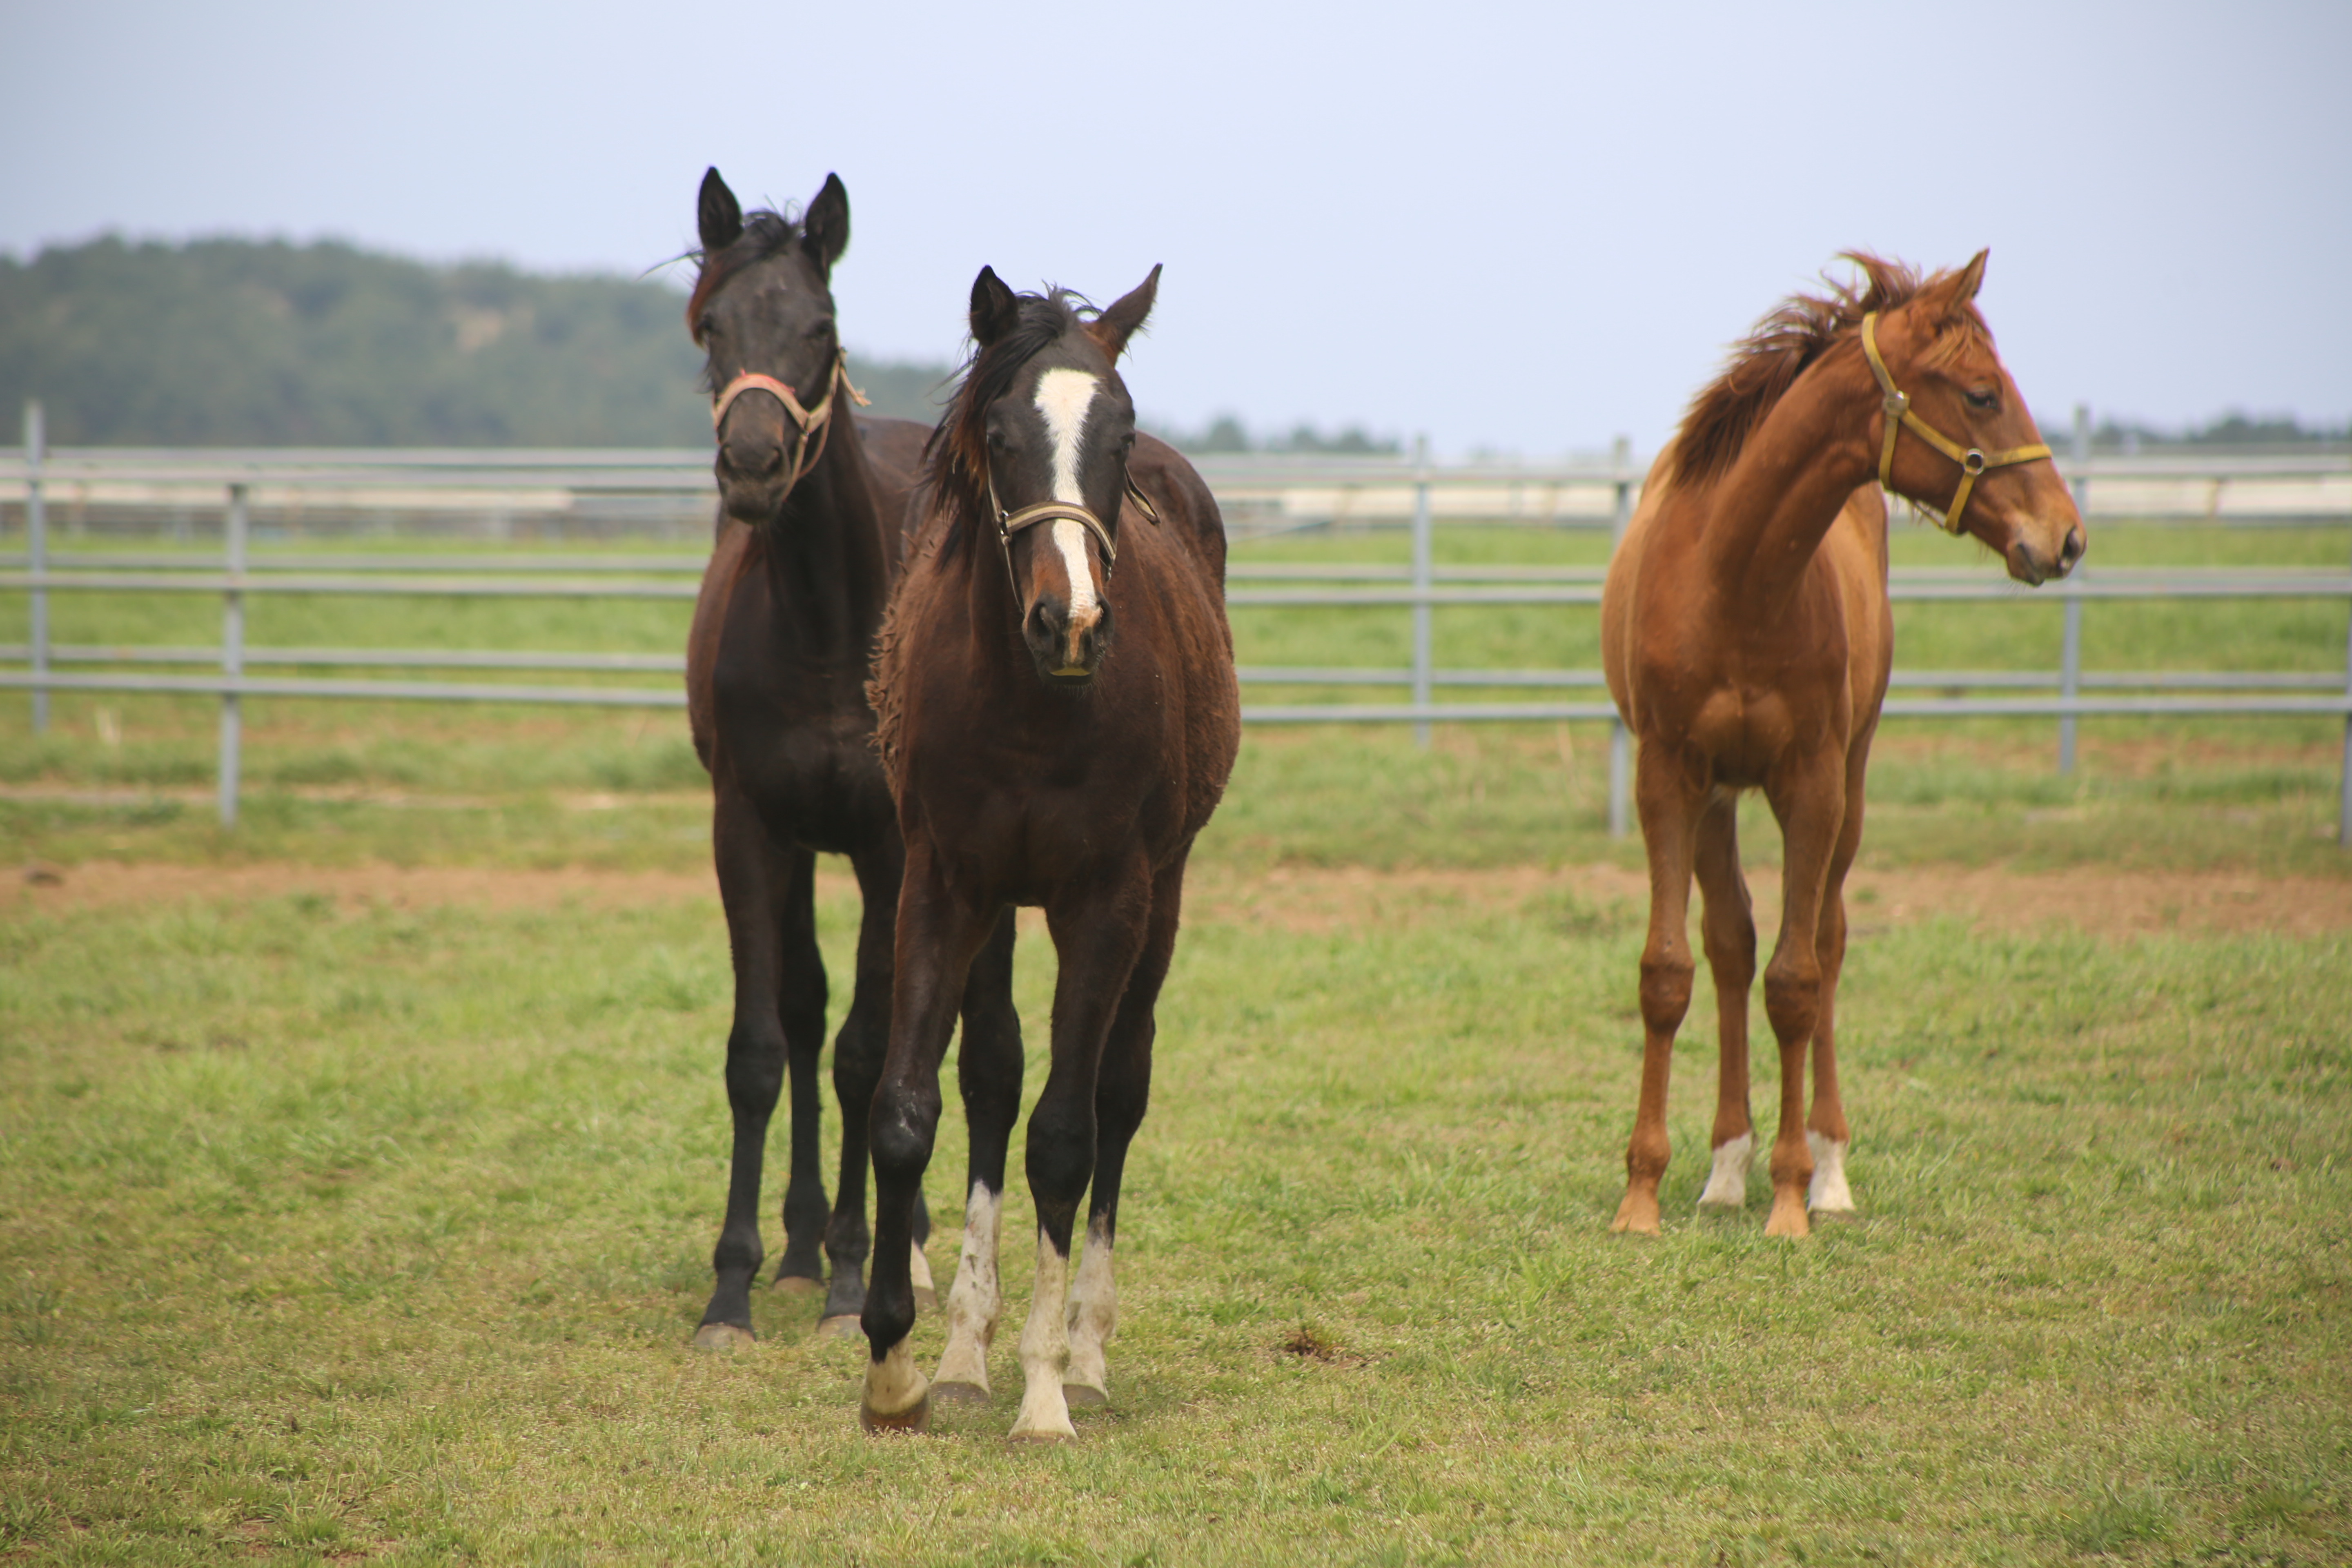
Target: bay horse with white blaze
[1059, 718]
[777, 661]
[1746, 640]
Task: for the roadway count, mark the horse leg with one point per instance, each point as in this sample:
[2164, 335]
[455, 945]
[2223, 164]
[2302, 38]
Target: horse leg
[801, 1006]
[1826, 1133]
[936, 937]
[857, 1053]
[1122, 1090]
[1728, 927]
[988, 1069]
[1809, 798]
[1669, 808]
[754, 881]
[1099, 931]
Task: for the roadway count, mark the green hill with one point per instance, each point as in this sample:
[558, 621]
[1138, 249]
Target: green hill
[241, 343]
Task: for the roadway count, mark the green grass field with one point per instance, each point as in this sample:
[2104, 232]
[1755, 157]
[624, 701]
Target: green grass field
[343, 1226]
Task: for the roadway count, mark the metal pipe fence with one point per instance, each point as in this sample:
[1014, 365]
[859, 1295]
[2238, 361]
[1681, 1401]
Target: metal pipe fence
[1340, 495]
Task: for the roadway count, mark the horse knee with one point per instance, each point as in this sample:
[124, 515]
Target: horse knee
[899, 1132]
[755, 1070]
[1665, 992]
[1792, 1000]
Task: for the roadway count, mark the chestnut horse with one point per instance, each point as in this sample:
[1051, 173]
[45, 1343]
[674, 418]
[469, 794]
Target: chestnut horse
[781, 645]
[1059, 716]
[1746, 639]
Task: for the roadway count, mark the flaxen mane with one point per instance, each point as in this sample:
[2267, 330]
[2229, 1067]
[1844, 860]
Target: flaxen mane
[1769, 360]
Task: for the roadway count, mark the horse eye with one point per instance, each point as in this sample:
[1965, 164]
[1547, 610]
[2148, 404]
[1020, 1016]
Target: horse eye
[1984, 400]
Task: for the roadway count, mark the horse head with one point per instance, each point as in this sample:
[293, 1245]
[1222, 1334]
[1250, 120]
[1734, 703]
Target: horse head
[1056, 424]
[1973, 460]
[762, 312]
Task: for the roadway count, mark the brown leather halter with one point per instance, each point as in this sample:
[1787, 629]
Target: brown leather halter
[1899, 418]
[1009, 523]
[814, 424]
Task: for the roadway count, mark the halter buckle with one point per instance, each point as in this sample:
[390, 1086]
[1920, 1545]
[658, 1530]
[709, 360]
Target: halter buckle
[1973, 463]
[1895, 403]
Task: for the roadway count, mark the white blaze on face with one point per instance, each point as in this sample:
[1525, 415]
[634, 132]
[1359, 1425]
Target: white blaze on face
[1064, 398]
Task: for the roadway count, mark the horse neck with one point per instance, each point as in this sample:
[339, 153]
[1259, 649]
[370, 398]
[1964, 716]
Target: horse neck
[1770, 511]
[830, 562]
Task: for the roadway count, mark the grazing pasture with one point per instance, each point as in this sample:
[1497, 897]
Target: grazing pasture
[358, 1171]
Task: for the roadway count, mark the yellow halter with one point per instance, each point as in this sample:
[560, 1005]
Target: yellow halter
[1899, 417]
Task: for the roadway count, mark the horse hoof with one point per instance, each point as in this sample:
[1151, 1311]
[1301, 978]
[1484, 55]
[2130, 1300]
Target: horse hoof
[925, 1299]
[1788, 1215]
[723, 1337]
[1039, 1439]
[916, 1417]
[959, 1394]
[845, 1327]
[1084, 1396]
[798, 1285]
[1638, 1213]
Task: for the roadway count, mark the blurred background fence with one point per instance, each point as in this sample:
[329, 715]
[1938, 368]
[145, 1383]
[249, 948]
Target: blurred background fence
[238, 524]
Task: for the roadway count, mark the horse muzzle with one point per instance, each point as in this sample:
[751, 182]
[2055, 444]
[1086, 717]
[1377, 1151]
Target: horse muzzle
[1066, 648]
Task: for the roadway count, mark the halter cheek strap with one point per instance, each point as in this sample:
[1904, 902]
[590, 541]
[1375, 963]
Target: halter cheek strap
[814, 424]
[1899, 418]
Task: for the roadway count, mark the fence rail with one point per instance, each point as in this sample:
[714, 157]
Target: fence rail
[1278, 495]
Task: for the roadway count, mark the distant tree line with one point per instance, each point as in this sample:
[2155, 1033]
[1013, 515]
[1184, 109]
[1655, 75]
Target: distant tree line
[2232, 429]
[239, 342]
[1226, 433]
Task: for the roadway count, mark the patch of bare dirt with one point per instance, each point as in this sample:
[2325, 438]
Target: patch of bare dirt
[2102, 903]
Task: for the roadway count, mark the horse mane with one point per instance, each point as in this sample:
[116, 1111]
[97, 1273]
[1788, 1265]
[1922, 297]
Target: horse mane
[955, 459]
[765, 232]
[1789, 339]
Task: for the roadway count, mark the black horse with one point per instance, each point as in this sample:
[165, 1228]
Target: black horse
[783, 636]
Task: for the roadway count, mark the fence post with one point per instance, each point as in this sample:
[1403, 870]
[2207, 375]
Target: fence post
[1422, 686]
[1620, 761]
[2070, 656]
[37, 557]
[231, 653]
[2344, 788]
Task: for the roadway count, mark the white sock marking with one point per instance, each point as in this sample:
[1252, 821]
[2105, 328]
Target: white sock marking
[894, 1385]
[1093, 1316]
[1046, 1350]
[1829, 1193]
[1065, 397]
[918, 1268]
[974, 1302]
[1726, 1180]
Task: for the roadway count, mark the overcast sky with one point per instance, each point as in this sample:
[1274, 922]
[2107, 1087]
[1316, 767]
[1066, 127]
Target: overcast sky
[1519, 227]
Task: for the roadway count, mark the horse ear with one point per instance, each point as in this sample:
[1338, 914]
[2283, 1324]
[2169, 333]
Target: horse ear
[717, 215]
[825, 228]
[994, 310]
[1111, 330]
[1953, 291]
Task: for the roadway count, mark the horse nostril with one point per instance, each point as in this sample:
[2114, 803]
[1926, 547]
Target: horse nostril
[2070, 551]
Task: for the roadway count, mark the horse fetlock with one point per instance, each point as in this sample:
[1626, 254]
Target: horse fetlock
[897, 1396]
[1727, 1178]
[1828, 1192]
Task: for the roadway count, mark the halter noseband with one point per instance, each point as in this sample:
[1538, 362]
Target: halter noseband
[1009, 523]
[1899, 418]
[814, 424]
